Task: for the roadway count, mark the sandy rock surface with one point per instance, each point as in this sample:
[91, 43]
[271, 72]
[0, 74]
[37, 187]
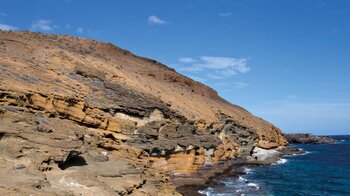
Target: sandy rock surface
[80, 117]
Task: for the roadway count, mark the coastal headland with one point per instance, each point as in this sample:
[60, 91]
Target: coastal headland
[82, 117]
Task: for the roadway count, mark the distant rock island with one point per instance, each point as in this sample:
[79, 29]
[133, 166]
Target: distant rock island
[307, 138]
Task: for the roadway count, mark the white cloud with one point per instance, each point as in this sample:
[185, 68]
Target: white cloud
[6, 27]
[220, 74]
[231, 64]
[154, 20]
[80, 30]
[215, 67]
[187, 60]
[42, 25]
[224, 14]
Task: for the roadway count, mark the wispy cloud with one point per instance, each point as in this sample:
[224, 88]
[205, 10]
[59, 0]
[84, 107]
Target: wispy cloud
[292, 97]
[80, 30]
[42, 25]
[6, 27]
[67, 26]
[240, 85]
[213, 62]
[187, 60]
[154, 20]
[224, 14]
[93, 33]
[215, 67]
[3, 14]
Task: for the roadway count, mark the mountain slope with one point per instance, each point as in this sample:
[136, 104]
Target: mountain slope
[69, 99]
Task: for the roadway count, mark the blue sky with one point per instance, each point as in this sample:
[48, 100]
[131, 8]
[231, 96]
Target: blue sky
[285, 61]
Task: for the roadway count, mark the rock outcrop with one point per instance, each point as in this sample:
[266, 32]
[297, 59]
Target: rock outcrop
[307, 138]
[82, 117]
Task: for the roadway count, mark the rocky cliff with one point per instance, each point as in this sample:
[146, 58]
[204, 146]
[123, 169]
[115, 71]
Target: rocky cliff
[79, 116]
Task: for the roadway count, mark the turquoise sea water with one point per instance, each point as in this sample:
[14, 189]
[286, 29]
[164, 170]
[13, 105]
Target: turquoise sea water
[323, 170]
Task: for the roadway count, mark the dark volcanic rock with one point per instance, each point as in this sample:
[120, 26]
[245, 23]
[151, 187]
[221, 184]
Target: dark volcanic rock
[306, 138]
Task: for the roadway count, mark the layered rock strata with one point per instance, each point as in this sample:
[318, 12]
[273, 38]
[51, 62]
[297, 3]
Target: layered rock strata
[82, 117]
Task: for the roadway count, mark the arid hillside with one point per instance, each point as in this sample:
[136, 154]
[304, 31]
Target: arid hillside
[72, 109]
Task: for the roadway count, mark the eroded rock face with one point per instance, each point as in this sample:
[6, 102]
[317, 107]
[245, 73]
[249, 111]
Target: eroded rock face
[82, 117]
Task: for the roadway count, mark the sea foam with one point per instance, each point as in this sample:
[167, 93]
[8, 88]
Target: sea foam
[248, 170]
[208, 192]
[280, 161]
[253, 185]
[241, 179]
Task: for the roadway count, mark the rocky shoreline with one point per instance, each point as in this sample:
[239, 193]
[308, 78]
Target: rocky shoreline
[307, 138]
[234, 168]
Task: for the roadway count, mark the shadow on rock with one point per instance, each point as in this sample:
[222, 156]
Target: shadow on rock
[73, 159]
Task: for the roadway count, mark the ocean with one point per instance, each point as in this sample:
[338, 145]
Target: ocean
[323, 170]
